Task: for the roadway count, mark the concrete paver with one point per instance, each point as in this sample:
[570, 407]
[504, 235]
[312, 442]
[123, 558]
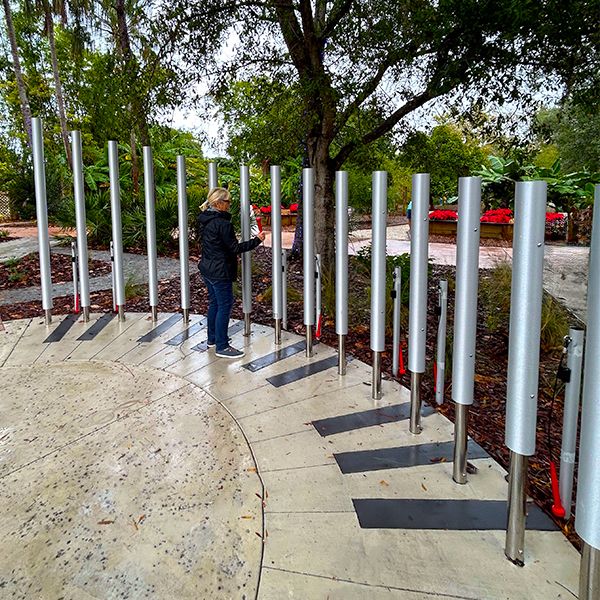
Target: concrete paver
[191, 451]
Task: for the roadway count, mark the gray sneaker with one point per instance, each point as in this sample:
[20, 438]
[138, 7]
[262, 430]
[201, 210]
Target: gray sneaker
[230, 352]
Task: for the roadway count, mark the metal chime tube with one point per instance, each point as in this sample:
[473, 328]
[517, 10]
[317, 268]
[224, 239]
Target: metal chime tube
[213, 177]
[150, 203]
[41, 209]
[465, 316]
[523, 353]
[318, 296]
[75, 277]
[378, 275]
[284, 288]
[276, 248]
[570, 419]
[397, 297]
[417, 308]
[245, 213]
[341, 266]
[81, 224]
[440, 358]
[308, 233]
[587, 514]
[112, 276]
[184, 253]
[117, 234]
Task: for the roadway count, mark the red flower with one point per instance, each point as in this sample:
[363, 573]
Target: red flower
[294, 207]
[265, 210]
[443, 215]
[497, 215]
[552, 217]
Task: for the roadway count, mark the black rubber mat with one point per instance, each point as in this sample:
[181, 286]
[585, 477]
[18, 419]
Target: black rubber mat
[402, 456]
[270, 359]
[160, 329]
[302, 372]
[185, 335]
[448, 515]
[101, 322]
[367, 418]
[60, 332]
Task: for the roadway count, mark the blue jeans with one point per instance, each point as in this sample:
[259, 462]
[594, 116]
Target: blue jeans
[220, 295]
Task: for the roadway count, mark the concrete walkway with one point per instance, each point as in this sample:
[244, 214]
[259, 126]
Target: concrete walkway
[134, 463]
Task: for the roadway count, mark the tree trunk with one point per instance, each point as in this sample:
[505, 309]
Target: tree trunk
[324, 205]
[135, 164]
[60, 101]
[25, 108]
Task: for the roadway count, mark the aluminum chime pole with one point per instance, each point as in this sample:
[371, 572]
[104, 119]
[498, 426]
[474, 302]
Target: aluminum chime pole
[75, 277]
[213, 178]
[341, 266]
[587, 514]
[184, 253]
[41, 209]
[318, 294]
[397, 298]
[440, 357]
[308, 250]
[523, 353]
[81, 224]
[150, 204]
[245, 212]
[570, 418]
[465, 316]
[277, 276]
[117, 235]
[417, 313]
[378, 276]
[284, 271]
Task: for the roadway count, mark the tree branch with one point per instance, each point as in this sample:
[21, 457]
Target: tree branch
[338, 12]
[385, 126]
[292, 34]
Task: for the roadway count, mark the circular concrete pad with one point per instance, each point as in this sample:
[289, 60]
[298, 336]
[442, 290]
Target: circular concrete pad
[123, 482]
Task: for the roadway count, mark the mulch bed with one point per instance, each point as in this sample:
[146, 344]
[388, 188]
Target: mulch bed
[487, 415]
[25, 272]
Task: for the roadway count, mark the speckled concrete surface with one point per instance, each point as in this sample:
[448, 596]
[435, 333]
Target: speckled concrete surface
[134, 470]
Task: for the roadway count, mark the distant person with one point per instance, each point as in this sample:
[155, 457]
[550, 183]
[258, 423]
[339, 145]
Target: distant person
[409, 212]
[218, 266]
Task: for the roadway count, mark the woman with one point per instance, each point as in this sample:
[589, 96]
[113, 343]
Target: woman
[218, 266]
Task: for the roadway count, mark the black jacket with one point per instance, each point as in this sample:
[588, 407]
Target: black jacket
[220, 246]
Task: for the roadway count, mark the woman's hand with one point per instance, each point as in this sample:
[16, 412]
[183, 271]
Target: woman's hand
[261, 236]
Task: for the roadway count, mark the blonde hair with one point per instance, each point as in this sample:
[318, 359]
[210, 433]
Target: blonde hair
[216, 196]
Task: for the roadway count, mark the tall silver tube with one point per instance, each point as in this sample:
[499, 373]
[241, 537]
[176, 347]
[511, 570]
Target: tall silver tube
[112, 276]
[284, 271]
[308, 249]
[81, 224]
[417, 308]
[397, 297]
[245, 213]
[117, 234]
[318, 295]
[440, 361]
[378, 276]
[150, 202]
[524, 351]
[213, 177]
[75, 277]
[184, 254]
[465, 315]
[570, 418]
[41, 209]
[589, 575]
[587, 514]
[341, 266]
[276, 249]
